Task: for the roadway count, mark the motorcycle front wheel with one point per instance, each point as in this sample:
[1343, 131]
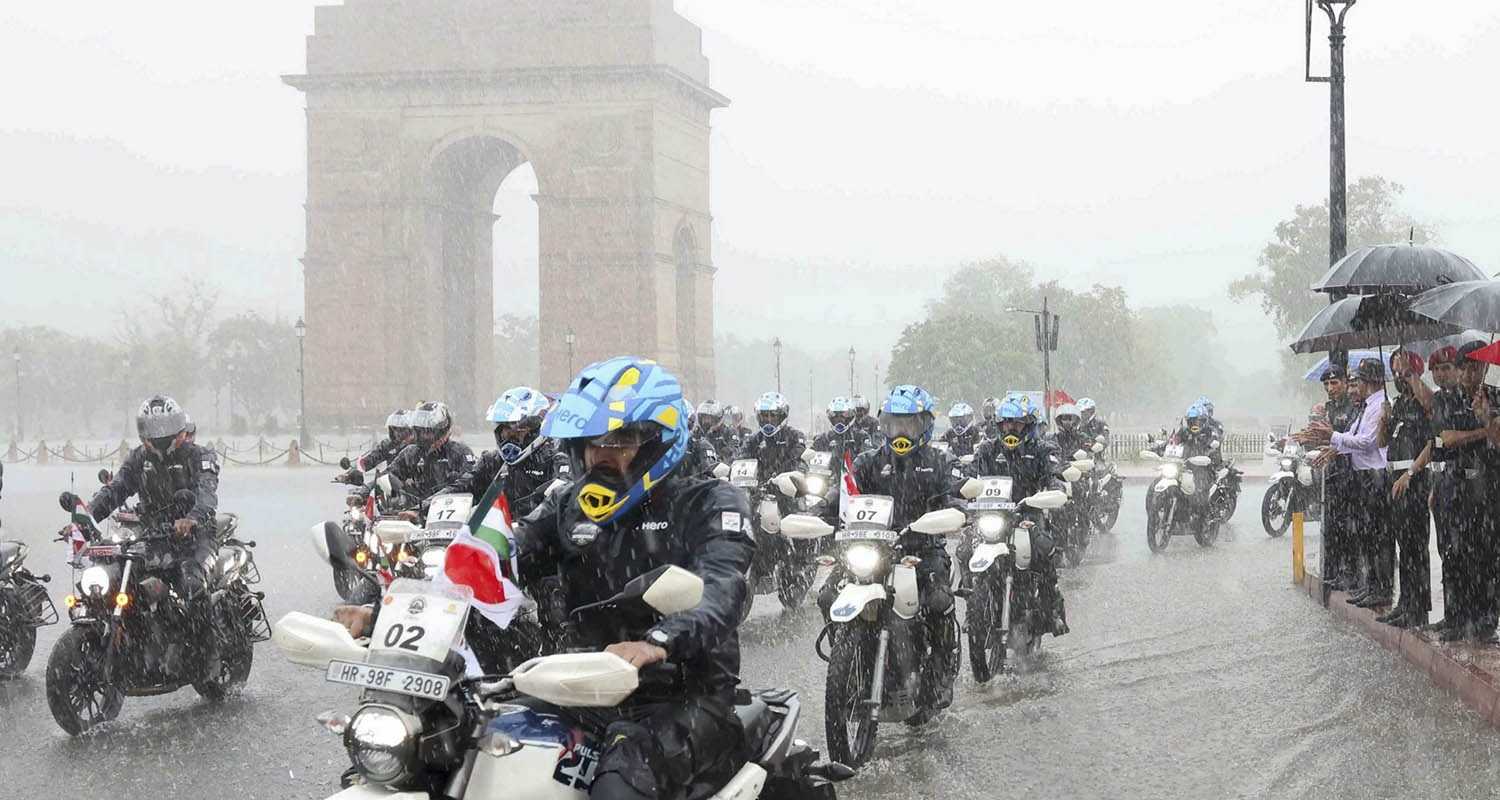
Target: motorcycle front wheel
[1276, 510]
[78, 692]
[847, 719]
[794, 579]
[1158, 532]
[987, 642]
[1107, 508]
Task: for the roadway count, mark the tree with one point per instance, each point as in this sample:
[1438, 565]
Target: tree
[1299, 255]
[962, 357]
[165, 337]
[256, 359]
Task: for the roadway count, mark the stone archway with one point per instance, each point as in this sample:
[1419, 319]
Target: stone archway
[418, 109]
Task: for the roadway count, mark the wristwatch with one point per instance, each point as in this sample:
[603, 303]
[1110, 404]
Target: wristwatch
[660, 638]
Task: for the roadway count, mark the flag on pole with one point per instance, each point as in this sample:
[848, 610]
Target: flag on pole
[482, 557]
[851, 488]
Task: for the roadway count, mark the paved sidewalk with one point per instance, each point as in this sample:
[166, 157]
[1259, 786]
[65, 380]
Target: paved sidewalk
[1470, 670]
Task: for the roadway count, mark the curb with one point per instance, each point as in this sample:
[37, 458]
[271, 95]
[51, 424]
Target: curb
[1448, 666]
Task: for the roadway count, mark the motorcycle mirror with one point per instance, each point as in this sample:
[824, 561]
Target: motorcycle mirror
[787, 483]
[105, 476]
[667, 590]
[345, 463]
[1048, 500]
[313, 642]
[942, 521]
[804, 526]
[971, 489]
[68, 501]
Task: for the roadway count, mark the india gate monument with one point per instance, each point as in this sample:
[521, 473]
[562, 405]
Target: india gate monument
[417, 110]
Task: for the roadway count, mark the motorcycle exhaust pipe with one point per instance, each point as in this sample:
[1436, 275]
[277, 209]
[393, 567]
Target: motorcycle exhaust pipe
[877, 684]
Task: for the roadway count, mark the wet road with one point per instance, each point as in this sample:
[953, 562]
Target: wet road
[1195, 673]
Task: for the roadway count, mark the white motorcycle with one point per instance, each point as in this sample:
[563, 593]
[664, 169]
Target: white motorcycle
[1170, 510]
[1290, 489]
[1004, 610]
[423, 731]
[879, 642]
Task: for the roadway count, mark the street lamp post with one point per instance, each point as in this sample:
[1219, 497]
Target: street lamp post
[1046, 326]
[569, 339]
[15, 355]
[229, 368]
[125, 390]
[776, 346]
[1338, 218]
[851, 372]
[301, 329]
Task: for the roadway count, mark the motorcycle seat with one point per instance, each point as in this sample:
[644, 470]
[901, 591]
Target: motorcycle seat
[756, 718]
[10, 552]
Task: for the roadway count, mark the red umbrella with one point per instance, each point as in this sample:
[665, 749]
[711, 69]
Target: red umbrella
[1060, 397]
[1490, 354]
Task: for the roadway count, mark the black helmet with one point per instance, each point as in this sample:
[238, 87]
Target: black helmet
[159, 421]
[431, 422]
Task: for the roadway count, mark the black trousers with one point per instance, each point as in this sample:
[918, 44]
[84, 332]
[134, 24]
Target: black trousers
[1337, 509]
[1474, 543]
[1372, 538]
[1410, 525]
[1448, 518]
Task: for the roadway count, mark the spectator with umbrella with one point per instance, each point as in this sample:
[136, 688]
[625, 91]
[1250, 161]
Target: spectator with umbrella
[1407, 430]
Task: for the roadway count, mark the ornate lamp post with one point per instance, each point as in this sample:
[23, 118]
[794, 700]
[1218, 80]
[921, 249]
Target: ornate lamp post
[301, 329]
[776, 346]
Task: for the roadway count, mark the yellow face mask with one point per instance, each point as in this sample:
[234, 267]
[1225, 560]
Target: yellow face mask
[598, 502]
[1194, 429]
[901, 445]
[1012, 441]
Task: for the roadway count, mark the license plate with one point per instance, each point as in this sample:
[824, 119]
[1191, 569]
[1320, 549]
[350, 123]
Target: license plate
[388, 679]
[866, 536]
[994, 505]
[433, 534]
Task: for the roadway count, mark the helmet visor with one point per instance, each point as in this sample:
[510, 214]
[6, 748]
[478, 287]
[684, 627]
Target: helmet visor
[909, 426]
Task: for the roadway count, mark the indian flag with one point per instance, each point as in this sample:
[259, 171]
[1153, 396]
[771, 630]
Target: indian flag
[850, 487]
[482, 557]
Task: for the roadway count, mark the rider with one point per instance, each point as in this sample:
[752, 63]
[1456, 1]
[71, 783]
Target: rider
[1032, 462]
[735, 419]
[398, 436]
[919, 478]
[962, 436]
[715, 429]
[164, 464]
[1208, 414]
[1093, 424]
[863, 421]
[1199, 436]
[989, 425]
[1070, 436]
[434, 460]
[623, 424]
[843, 439]
[777, 445]
[530, 461]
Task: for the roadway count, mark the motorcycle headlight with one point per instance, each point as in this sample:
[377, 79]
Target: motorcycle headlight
[433, 560]
[862, 560]
[380, 743]
[991, 527]
[1170, 471]
[1286, 464]
[95, 580]
[817, 485]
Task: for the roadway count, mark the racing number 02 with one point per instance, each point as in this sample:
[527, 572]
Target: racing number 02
[413, 634]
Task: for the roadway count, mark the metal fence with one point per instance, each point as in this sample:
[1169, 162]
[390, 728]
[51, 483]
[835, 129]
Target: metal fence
[1127, 446]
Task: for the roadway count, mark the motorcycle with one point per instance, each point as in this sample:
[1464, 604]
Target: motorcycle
[1004, 611]
[879, 641]
[24, 607]
[128, 628]
[424, 731]
[1075, 524]
[360, 561]
[1170, 510]
[1106, 492]
[1290, 490]
[780, 565]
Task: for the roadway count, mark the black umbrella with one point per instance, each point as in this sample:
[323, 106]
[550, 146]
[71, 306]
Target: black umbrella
[1470, 304]
[1400, 268]
[1427, 348]
[1366, 321]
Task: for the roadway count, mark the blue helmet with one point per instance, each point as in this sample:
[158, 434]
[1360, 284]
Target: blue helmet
[1206, 404]
[841, 413]
[771, 411]
[961, 416]
[1015, 408]
[906, 418]
[517, 415]
[623, 397]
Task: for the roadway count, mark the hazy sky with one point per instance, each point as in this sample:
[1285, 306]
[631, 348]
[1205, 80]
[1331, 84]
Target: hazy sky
[869, 147]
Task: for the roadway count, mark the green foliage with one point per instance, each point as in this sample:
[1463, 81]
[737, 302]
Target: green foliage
[1298, 256]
